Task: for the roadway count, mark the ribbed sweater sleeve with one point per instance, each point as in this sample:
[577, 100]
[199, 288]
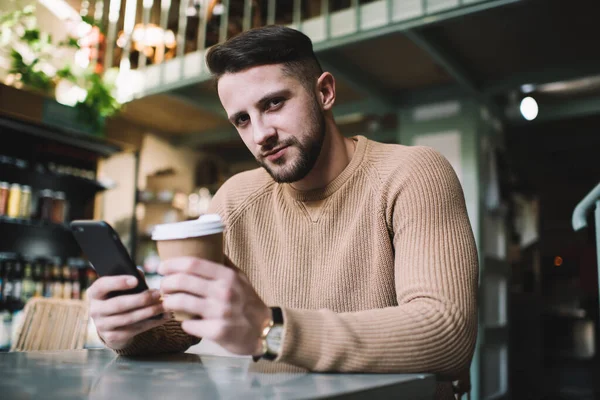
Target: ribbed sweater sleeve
[167, 338]
[434, 326]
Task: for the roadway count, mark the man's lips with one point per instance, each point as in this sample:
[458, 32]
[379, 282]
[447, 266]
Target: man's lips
[275, 153]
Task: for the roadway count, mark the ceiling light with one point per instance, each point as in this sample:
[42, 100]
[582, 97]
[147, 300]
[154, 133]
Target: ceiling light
[529, 108]
[527, 88]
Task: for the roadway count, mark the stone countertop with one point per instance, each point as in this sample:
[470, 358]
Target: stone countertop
[100, 374]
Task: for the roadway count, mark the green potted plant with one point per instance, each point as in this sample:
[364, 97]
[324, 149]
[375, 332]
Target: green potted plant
[37, 63]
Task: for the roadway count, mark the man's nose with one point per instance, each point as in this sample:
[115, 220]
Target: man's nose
[263, 132]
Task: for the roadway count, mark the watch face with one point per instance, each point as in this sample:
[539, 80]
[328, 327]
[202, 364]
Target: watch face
[274, 339]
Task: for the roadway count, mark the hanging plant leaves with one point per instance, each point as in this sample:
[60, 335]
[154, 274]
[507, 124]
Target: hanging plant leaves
[70, 42]
[17, 63]
[29, 75]
[31, 36]
[90, 20]
[65, 73]
[99, 102]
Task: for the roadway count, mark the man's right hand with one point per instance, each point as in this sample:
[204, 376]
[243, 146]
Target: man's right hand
[119, 319]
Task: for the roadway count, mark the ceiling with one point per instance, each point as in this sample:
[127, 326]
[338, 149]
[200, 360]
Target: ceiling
[488, 55]
[171, 115]
[556, 151]
[393, 62]
[528, 36]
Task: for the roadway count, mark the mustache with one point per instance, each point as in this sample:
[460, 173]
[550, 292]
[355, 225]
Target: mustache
[268, 148]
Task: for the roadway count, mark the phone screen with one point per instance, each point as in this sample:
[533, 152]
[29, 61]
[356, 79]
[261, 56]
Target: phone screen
[105, 251]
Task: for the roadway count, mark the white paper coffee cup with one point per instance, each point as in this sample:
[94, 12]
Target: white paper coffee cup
[208, 224]
[201, 238]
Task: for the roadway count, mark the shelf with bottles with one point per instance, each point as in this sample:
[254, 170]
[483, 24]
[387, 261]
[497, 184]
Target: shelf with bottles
[20, 204]
[34, 223]
[14, 168]
[23, 277]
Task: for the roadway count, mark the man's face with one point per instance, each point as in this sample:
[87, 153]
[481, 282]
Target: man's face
[278, 119]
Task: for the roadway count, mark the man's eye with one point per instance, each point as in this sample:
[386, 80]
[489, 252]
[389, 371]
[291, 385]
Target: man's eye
[275, 103]
[242, 120]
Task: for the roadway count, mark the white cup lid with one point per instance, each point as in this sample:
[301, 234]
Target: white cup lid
[208, 224]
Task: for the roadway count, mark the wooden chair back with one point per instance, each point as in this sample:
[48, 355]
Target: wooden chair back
[52, 324]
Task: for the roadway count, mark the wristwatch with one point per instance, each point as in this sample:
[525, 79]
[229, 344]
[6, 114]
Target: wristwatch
[272, 336]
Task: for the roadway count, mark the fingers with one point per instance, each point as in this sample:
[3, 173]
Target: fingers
[207, 329]
[196, 266]
[191, 284]
[106, 284]
[123, 335]
[126, 303]
[205, 308]
[129, 319]
[117, 323]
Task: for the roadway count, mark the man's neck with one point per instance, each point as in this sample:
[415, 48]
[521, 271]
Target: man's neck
[336, 154]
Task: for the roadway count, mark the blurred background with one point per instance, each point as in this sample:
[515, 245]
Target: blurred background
[107, 111]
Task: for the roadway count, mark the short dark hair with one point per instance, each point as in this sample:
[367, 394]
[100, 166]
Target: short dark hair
[273, 44]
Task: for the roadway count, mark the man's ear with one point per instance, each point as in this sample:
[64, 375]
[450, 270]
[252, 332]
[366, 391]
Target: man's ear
[326, 90]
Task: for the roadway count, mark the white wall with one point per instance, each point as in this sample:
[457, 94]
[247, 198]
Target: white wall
[117, 205]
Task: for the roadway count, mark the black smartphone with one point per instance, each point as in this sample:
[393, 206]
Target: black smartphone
[104, 249]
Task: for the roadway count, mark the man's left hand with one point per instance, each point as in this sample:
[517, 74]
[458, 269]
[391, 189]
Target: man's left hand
[230, 311]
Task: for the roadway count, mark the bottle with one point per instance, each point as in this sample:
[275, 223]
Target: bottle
[58, 208]
[45, 205]
[38, 278]
[90, 278]
[17, 285]
[57, 283]
[67, 283]
[5, 315]
[4, 189]
[47, 279]
[74, 266]
[28, 286]
[8, 284]
[14, 201]
[2, 258]
[25, 202]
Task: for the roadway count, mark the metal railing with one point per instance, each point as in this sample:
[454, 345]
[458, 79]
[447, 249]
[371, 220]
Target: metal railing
[166, 29]
[139, 34]
[591, 202]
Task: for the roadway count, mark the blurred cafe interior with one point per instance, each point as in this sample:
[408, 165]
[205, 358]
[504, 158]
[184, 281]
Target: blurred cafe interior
[108, 112]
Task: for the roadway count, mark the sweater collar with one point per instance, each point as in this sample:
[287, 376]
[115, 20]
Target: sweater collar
[338, 182]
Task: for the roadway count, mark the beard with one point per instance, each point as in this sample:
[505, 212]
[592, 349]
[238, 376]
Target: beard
[285, 170]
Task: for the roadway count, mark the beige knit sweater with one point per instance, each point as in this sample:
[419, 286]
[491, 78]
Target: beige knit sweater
[376, 272]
